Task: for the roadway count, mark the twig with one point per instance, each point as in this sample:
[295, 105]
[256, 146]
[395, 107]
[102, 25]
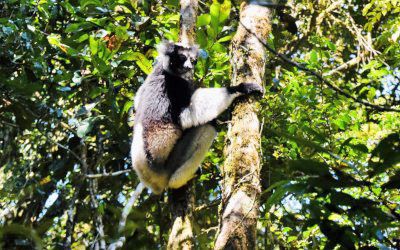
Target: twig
[125, 212]
[206, 206]
[63, 147]
[9, 124]
[109, 174]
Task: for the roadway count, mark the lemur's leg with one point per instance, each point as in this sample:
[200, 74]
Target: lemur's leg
[157, 181]
[188, 154]
[207, 103]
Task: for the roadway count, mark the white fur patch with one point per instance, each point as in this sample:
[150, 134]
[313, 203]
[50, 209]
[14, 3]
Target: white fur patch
[205, 105]
[137, 97]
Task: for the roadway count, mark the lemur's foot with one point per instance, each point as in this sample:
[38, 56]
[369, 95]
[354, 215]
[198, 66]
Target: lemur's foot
[248, 89]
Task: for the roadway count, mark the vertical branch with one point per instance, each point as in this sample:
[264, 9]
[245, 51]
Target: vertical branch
[187, 33]
[182, 200]
[70, 224]
[71, 212]
[241, 170]
[98, 221]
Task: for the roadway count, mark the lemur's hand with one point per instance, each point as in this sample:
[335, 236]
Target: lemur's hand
[250, 89]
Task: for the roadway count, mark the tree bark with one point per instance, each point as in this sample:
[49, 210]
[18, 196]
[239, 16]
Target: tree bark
[182, 199]
[181, 205]
[241, 170]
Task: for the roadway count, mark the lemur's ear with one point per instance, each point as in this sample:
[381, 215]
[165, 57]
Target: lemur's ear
[165, 48]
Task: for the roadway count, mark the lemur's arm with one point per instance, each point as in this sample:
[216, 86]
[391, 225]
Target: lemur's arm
[207, 104]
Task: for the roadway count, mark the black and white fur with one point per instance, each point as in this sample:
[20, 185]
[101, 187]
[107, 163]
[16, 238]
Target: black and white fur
[172, 133]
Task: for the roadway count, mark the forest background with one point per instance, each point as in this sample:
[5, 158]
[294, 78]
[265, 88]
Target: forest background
[330, 150]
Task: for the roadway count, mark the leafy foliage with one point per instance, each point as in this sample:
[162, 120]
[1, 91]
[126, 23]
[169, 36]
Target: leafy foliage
[70, 69]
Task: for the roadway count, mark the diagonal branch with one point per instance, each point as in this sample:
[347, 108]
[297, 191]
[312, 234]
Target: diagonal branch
[125, 212]
[356, 60]
[318, 76]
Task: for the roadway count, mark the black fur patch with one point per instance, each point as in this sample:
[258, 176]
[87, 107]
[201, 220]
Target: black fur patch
[179, 92]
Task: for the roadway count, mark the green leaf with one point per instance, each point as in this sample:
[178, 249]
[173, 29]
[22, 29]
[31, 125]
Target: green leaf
[73, 27]
[93, 44]
[371, 94]
[101, 65]
[203, 20]
[387, 153]
[201, 38]
[121, 33]
[275, 197]
[314, 57]
[95, 92]
[127, 106]
[83, 38]
[309, 167]
[85, 126]
[219, 13]
[140, 59]
[280, 193]
[85, 3]
[340, 123]
[331, 45]
[225, 39]
[54, 39]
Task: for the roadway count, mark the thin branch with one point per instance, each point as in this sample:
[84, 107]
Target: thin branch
[63, 147]
[125, 212]
[9, 124]
[98, 220]
[346, 65]
[109, 174]
[206, 206]
[70, 224]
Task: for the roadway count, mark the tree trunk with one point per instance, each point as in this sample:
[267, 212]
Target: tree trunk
[241, 170]
[181, 204]
[182, 199]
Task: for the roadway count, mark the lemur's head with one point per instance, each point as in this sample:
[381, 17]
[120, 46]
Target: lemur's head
[177, 58]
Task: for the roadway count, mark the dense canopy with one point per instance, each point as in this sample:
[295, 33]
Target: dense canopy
[330, 123]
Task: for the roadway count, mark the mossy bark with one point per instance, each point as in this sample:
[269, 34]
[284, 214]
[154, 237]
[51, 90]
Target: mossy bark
[241, 170]
[182, 199]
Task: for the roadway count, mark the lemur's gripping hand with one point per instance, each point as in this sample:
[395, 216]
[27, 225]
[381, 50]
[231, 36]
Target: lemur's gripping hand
[247, 89]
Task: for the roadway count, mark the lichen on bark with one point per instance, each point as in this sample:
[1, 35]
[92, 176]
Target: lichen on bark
[241, 170]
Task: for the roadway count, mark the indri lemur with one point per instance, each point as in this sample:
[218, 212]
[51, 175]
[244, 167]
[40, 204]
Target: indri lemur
[172, 132]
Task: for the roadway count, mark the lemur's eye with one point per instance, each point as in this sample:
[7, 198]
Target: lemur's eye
[182, 58]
